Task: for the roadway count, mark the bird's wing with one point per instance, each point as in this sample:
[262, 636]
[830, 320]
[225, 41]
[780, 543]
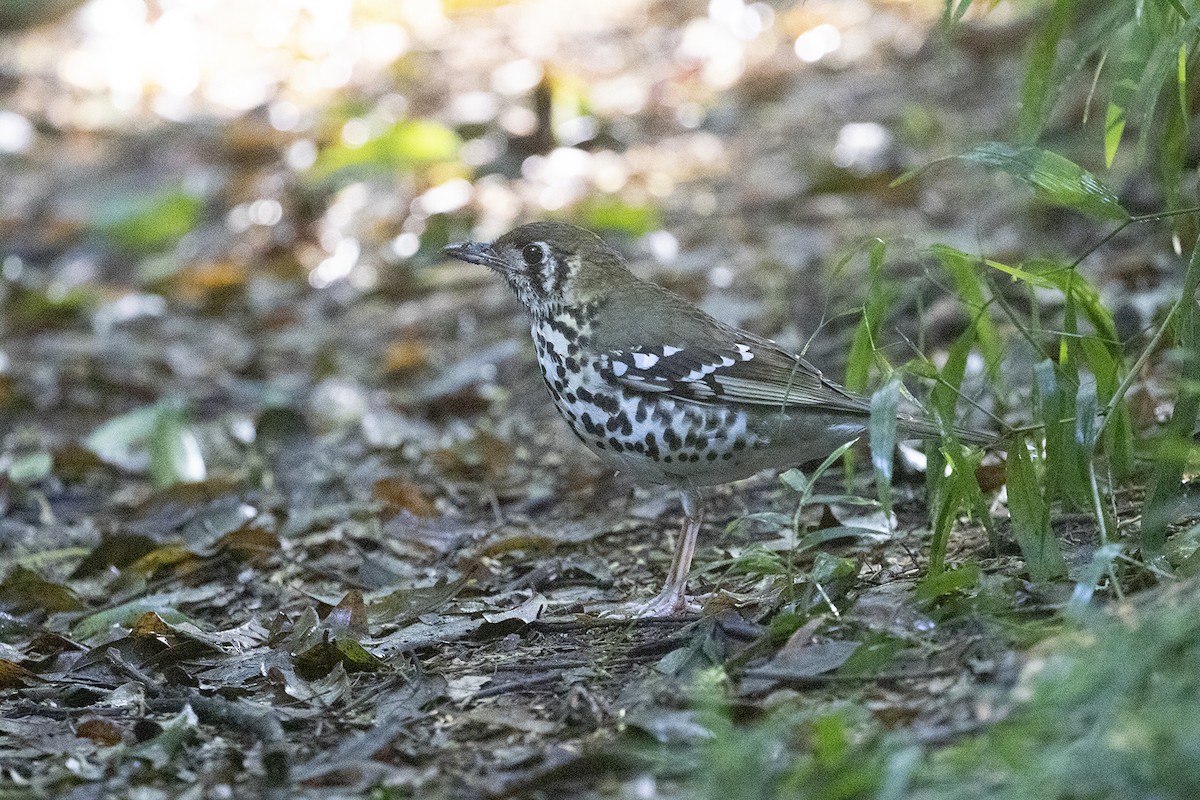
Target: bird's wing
[744, 369]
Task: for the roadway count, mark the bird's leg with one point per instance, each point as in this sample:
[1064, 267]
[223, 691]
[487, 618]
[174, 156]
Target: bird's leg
[673, 598]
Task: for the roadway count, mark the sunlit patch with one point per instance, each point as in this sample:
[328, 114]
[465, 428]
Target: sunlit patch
[356, 132]
[517, 77]
[301, 154]
[337, 266]
[16, 132]
[721, 277]
[811, 46]
[444, 198]
[663, 246]
[744, 21]
[11, 268]
[862, 146]
[406, 245]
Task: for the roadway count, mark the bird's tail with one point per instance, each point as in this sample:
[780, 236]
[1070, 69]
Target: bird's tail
[924, 428]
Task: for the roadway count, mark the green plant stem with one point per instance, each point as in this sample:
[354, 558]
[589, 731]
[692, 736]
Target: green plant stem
[1131, 376]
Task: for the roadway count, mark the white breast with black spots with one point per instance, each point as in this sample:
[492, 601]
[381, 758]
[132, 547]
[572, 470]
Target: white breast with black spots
[652, 437]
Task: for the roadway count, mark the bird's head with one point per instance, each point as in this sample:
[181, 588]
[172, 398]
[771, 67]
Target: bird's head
[549, 264]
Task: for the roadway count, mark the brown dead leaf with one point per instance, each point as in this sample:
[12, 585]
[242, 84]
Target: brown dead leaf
[482, 457]
[208, 283]
[399, 494]
[405, 356]
[13, 675]
[25, 590]
[151, 624]
[173, 556]
[72, 463]
[100, 731]
[115, 550]
[250, 544]
[990, 476]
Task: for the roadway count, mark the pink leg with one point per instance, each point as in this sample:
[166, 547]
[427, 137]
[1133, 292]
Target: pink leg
[673, 598]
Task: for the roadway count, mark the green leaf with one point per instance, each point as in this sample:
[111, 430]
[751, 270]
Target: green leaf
[1118, 429]
[611, 213]
[1054, 178]
[25, 590]
[175, 455]
[951, 581]
[150, 222]
[30, 468]
[1030, 515]
[405, 146]
[156, 438]
[1077, 290]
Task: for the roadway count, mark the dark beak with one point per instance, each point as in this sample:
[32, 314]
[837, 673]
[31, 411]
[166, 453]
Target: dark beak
[476, 253]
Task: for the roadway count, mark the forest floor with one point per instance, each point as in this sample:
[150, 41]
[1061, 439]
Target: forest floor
[284, 505]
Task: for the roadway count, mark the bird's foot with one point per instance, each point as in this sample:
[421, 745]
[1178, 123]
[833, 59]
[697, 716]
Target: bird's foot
[668, 603]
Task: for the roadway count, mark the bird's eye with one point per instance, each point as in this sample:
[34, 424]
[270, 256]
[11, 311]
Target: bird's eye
[533, 255]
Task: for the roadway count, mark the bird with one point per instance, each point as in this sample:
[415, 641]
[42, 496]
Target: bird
[661, 390]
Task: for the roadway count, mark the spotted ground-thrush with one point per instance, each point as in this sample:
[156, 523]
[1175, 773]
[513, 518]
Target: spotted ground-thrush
[661, 390]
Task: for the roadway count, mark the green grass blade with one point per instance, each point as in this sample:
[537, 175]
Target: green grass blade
[874, 314]
[1165, 490]
[1056, 179]
[1030, 516]
[1043, 53]
[1065, 462]
[969, 286]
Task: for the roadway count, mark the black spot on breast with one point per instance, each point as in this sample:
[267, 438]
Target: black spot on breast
[726, 456]
[615, 443]
[710, 455]
[640, 416]
[606, 402]
[584, 395]
[667, 459]
[600, 443]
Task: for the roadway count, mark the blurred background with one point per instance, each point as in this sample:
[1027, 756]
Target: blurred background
[181, 163]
